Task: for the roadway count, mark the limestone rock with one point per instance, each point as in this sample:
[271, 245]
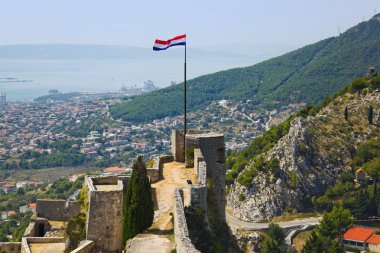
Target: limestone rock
[311, 156]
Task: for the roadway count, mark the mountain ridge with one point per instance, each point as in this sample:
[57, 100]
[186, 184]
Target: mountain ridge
[94, 51]
[304, 75]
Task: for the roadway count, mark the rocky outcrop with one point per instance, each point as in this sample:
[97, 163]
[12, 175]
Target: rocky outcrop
[311, 156]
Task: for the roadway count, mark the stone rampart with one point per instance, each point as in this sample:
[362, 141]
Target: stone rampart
[85, 247]
[181, 232]
[209, 159]
[59, 210]
[10, 247]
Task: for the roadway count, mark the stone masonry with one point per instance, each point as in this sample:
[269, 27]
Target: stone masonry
[181, 232]
[59, 210]
[209, 158]
[105, 212]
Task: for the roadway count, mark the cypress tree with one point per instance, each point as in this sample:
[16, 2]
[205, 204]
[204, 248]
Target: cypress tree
[370, 114]
[346, 113]
[138, 203]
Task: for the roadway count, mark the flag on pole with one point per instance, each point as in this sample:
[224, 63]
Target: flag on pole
[165, 44]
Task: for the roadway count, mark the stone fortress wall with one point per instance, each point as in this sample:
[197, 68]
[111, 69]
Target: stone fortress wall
[58, 210]
[209, 163]
[209, 168]
[181, 232]
[10, 247]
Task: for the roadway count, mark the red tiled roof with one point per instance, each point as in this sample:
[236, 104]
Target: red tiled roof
[113, 169]
[11, 212]
[8, 185]
[374, 239]
[358, 234]
[32, 206]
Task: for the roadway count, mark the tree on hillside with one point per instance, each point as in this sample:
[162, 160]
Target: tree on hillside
[335, 222]
[313, 244]
[138, 203]
[346, 113]
[276, 233]
[325, 238]
[370, 114]
[362, 206]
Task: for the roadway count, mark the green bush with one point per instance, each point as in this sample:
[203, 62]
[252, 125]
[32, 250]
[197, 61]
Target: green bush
[76, 231]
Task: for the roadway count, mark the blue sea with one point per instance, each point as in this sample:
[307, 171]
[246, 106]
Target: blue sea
[25, 79]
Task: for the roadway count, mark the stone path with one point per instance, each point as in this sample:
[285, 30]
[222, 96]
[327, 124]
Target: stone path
[160, 238]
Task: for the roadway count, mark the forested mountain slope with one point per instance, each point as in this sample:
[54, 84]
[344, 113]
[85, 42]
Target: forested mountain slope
[304, 75]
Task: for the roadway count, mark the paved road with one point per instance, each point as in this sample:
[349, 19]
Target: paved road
[235, 223]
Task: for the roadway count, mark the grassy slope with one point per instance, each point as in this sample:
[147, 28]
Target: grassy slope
[304, 75]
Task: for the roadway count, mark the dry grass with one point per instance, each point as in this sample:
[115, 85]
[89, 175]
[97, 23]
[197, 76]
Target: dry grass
[294, 216]
[45, 175]
[300, 240]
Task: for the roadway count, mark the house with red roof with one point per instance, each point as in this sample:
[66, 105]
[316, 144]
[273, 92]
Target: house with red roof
[373, 243]
[8, 188]
[362, 239]
[116, 171]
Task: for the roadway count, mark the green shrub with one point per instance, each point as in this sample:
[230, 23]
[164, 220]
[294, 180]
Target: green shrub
[76, 231]
[241, 197]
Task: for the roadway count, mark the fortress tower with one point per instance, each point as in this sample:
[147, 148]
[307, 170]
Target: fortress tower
[105, 212]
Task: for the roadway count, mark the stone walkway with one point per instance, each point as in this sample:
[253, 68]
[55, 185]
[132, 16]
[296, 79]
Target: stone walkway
[160, 238]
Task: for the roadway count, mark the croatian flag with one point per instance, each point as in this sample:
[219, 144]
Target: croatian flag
[165, 44]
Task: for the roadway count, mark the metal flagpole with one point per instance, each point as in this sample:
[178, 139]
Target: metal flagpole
[184, 107]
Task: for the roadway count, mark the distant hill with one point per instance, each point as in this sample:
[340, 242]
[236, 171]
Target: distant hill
[67, 51]
[304, 75]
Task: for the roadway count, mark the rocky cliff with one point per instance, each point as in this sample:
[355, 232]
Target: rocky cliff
[311, 156]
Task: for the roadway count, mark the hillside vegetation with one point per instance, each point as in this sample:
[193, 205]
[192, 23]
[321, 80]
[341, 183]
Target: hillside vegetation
[304, 75]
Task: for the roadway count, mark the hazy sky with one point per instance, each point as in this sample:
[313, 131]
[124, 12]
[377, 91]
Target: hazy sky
[208, 23]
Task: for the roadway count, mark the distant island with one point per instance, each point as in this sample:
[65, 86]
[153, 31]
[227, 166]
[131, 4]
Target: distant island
[14, 80]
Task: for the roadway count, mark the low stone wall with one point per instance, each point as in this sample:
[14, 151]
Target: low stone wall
[181, 232]
[10, 247]
[294, 232]
[85, 247]
[155, 173]
[59, 210]
[104, 180]
[26, 240]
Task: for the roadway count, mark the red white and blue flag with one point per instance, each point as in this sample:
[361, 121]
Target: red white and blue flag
[165, 44]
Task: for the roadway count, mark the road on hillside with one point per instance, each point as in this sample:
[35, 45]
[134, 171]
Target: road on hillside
[235, 223]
